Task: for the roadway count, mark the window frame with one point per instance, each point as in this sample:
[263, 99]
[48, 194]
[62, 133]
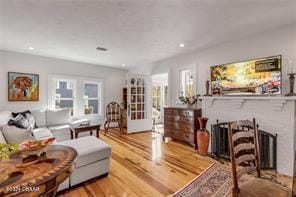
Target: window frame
[178, 71]
[78, 94]
[99, 98]
[55, 81]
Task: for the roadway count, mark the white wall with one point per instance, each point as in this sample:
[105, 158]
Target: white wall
[18, 62]
[278, 42]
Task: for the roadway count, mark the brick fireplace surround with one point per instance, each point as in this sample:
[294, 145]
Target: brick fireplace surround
[275, 114]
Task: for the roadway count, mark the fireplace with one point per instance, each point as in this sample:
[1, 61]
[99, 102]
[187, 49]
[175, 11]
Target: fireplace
[267, 144]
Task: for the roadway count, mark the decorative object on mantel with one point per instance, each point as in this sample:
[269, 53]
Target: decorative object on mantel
[190, 100]
[207, 88]
[203, 137]
[292, 83]
[23, 87]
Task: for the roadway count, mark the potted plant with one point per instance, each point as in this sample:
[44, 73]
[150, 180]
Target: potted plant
[5, 151]
[190, 100]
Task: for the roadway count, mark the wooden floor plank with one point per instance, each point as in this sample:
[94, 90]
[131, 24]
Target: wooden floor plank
[143, 165]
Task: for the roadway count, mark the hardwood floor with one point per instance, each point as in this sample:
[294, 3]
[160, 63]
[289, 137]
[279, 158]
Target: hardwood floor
[143, 165]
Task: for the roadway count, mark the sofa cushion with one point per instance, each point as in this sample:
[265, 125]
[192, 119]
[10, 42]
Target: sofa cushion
[61, 132]
[58, 117]
[2, 139]
[14, 135]
[4, 117]
[40, 117]
[42, 133]
[90, 149]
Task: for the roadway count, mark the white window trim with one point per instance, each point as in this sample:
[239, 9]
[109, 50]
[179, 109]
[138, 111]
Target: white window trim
[178, 70]
[78, 93]
[99, 98]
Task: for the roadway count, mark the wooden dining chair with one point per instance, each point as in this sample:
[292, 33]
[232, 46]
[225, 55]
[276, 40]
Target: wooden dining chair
[245, 158]
[112, 115]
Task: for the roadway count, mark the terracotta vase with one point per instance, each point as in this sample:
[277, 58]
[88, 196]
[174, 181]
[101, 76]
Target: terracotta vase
[203, 137]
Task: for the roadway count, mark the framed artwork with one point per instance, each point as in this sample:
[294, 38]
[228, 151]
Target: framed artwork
[23, 87]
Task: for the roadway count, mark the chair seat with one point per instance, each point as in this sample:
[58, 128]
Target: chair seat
[262, 188]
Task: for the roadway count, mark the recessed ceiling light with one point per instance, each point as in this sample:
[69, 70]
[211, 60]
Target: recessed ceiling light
[181, 45]
[31, 48]
[123, 65]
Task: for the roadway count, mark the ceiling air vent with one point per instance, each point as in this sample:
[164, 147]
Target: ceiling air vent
[101, 48]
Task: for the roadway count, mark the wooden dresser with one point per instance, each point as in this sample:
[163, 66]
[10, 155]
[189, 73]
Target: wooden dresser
[181, 124]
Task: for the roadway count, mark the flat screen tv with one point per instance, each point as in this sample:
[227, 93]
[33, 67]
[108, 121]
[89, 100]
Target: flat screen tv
[260, 76]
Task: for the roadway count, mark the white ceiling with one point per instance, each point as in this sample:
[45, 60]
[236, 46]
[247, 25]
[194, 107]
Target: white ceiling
[136, 32]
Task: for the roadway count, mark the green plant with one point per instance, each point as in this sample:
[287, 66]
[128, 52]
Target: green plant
[7, 149]
[191, 100]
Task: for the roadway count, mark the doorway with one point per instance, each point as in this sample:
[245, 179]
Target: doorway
[160, 100]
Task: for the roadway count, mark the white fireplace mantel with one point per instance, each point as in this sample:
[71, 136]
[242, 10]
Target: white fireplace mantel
[274, 114]
[276, 102]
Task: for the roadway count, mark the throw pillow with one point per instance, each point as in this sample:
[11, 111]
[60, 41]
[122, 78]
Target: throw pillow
[19, 121]
[14, 135]
[58, 117]
[28, 115]
[40, 117]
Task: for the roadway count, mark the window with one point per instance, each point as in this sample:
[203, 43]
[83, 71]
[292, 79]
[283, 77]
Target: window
[83, 96]
[64, 96]
[91, 98]
[186, 83]
[156, 97]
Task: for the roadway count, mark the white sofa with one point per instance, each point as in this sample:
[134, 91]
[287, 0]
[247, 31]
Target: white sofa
[93, 154]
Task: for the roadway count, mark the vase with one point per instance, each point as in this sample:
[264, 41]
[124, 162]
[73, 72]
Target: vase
[203, 137]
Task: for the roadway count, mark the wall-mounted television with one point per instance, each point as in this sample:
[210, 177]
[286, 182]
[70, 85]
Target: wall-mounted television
[260, 76]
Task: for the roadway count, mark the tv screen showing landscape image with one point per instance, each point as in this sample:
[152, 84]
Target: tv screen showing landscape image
[260, 76]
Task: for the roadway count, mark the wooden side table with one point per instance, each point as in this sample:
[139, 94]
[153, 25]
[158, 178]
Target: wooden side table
[39, 176]
[75, 130]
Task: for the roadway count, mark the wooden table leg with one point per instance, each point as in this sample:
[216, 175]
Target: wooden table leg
[71, 131]
[91, 132]
[76, 135]
[98, 133]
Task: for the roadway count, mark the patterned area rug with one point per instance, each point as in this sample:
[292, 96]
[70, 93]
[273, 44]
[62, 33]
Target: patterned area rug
[215, 181]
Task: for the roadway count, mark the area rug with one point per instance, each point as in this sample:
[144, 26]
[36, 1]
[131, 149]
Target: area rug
[215, 181]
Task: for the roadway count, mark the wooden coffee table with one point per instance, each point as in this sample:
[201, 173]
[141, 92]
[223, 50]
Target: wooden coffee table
[37, 176]
[84, 128]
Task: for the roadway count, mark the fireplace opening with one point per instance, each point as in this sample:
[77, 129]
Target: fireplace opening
[267, 145]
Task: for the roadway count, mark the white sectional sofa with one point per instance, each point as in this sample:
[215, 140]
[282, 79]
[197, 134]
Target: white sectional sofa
[93, 154]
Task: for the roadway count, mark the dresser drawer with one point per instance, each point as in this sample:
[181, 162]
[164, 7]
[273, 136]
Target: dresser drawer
[172, 118]
[180, 126]
[187, 137]
[180, 112]
[189, 113]
[187, 120]
[172, 111]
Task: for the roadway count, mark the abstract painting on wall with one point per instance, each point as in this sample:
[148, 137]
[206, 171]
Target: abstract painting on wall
[23, 87]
